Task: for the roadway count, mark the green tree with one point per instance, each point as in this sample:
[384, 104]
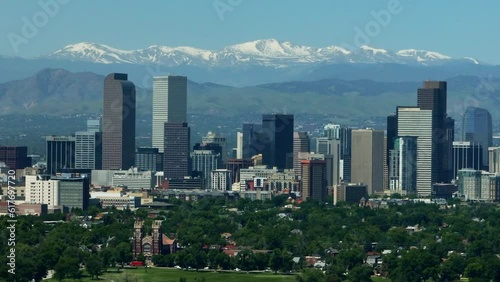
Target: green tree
[107, 256]
[224, 261]
[281, 260]
[169, 260]
[212, 258]
[310, 275]
[415, 265]
[123, 253]
[360, 273]
[351, 258]
[25, 266]
[94, 266]
[158, 260]
[474, 270]
[276, 260]
[67, 267]
[245, 260]
[452, 268]
[261, 261]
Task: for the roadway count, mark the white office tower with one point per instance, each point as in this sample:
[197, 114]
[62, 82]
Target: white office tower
[88, 146]
[221, 179]
[415, 122]
[239, 145]
[169, 105]
[332, 131]
[39, 191]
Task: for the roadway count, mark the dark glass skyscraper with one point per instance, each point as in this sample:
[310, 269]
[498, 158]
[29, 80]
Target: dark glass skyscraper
[345, 151]
[251, 140]
[149, 159]
[15, 157]
[176, 159]
[60, 153]
[277, 138]
[118, 130]
[466, 155]
[477, 127]
[392, 133]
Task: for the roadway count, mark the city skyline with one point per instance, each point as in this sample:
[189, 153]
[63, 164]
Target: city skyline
[250, 140]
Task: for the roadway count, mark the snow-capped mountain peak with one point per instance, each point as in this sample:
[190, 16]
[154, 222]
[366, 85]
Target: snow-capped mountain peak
[422, 53]
[266, 52]
[271, 48]
[373, 50]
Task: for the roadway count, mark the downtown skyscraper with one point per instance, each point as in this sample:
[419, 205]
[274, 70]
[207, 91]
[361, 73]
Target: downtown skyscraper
[368, 159]
[418, 123]
[88, 146]
[169, 105]
[301, 143]
[118, 130]
[176, 159]
[477, 127]
[252, 140]
[433, 96]
[60, 153]
[277, 131]
[403, 166]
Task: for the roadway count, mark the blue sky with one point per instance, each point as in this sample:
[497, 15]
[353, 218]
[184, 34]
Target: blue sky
[454, 27]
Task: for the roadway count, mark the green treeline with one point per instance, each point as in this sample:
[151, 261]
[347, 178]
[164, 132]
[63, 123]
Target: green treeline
[445, 244]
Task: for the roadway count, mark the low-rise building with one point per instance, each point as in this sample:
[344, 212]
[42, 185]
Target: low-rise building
[31, 209]
[349, 192]
[116, 199]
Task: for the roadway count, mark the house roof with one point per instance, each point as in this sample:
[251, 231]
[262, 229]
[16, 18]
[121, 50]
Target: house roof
[167, 241]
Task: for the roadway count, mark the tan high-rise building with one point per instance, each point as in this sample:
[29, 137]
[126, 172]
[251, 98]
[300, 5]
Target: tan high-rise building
[300, 144]
[314, 184]
[494, 159]
[367, 164]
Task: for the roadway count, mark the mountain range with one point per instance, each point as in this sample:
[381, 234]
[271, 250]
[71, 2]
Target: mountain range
[268, 52]
[59, 92]
[250, 63]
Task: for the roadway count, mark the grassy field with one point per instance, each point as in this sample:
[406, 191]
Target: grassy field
[173, 275]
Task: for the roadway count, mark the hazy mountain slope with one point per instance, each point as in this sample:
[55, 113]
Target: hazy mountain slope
[59, 92]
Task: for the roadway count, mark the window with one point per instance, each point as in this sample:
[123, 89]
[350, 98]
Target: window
[146, 248]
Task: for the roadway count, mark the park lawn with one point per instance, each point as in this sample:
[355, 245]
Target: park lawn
[380, 279]
[173, 275]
